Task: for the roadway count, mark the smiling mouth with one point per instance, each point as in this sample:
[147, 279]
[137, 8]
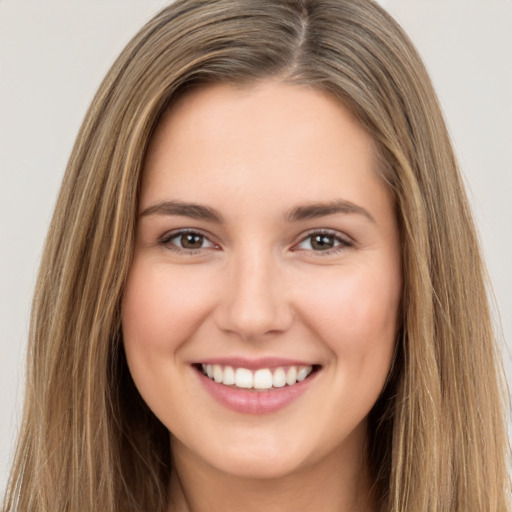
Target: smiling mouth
[263, 379]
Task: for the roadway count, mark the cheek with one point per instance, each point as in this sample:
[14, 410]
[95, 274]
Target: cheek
[161, 308]
[160, 312]
[356, 314]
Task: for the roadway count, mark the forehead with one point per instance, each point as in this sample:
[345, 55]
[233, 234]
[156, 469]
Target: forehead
[270, 103]
[273, 139]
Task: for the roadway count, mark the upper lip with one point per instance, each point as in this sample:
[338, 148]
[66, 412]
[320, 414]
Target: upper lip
[254, 364]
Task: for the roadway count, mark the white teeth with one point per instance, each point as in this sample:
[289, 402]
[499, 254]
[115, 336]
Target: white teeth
[302, 374]
[264, 378]
[243, 378]
[229, 376]
[279, 378]
[218, 374]
[291, 376]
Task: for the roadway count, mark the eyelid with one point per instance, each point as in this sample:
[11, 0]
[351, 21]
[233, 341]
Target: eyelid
[345, 241]
[165, 240]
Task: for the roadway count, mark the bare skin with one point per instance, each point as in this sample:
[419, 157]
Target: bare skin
[265, 234]
[341, 486]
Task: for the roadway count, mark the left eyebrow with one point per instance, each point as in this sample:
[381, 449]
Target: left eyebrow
[315, 210]
[194, 211]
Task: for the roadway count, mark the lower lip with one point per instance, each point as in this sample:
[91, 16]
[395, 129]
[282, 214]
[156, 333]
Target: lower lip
[255, 401]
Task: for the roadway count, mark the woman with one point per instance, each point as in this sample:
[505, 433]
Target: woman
[262, 285]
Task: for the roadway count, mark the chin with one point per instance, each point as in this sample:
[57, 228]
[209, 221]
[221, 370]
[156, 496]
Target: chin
[259, 468]
[259, 461]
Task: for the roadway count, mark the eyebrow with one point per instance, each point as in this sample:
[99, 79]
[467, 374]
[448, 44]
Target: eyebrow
[193, 211]
[303, 212]
[315, 210]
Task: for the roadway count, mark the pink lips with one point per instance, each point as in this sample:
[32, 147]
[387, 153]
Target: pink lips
[250, 401]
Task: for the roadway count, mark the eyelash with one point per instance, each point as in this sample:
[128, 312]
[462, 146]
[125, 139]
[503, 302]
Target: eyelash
[343, 242]
[166, 240]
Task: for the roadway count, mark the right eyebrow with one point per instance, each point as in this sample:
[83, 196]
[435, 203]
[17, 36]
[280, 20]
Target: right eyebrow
[316, 210]
[191, 210]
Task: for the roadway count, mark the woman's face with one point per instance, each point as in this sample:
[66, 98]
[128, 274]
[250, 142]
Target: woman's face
[268, 256]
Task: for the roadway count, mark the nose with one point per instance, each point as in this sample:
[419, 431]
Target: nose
[254, 302]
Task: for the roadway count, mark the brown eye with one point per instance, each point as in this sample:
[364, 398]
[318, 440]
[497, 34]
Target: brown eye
[186, 241]
[322, 242]
[191, 241]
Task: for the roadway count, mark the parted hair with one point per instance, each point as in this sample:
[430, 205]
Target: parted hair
[437, 436]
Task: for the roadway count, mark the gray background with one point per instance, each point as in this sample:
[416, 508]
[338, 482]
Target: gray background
[53, 55]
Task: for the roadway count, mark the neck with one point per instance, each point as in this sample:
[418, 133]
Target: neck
[335, 483]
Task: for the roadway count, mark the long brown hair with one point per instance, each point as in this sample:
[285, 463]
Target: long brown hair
[437, 440]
